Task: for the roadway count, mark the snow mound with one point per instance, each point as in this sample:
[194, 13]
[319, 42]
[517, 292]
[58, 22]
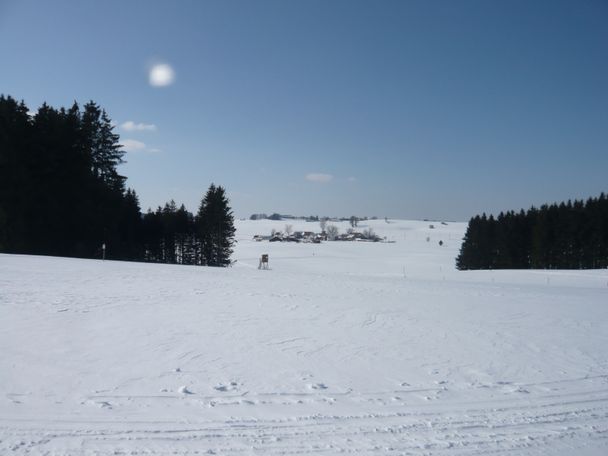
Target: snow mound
[184, 390]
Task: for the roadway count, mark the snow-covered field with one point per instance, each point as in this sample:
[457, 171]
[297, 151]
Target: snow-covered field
[339, 348]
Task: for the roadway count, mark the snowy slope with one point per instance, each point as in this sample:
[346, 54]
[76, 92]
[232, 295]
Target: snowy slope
[347, 347]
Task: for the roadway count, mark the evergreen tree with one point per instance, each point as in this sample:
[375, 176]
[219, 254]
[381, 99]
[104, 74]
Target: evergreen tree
[153, 235]
[215, 227]
[103, 145]
[15, 178]
[185, 242]
[469, 252]
[131, 228]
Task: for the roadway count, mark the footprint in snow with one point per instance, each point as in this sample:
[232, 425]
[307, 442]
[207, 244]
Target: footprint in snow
[318, 386]
[100, 404]
[184, 390]
[223, 388]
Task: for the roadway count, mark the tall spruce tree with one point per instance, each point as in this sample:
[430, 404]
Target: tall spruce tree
[215, 227]
[15, 178]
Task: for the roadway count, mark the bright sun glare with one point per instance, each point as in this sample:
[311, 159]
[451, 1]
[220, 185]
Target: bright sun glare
[161, 75]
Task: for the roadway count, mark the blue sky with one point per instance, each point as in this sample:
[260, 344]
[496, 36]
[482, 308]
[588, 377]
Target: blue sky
[415, 109]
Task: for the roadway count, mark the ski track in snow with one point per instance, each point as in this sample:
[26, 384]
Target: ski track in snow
[340, 348]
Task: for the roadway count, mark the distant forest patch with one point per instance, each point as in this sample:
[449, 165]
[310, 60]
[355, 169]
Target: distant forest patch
[572, 235]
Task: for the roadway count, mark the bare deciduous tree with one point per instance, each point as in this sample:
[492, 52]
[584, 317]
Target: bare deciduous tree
[288, 229]
[323, 224]
[332, 232]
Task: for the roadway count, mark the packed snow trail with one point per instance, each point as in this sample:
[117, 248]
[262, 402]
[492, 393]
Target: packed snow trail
[339, 348]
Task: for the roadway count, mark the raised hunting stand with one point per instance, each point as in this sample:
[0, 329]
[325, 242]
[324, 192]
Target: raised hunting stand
[263, 262]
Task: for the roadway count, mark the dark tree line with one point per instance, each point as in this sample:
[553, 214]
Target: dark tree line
[61, 194]
[572, 235]
[174, 235]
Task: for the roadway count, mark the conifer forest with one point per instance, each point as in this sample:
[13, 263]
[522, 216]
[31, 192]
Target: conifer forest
[61, 194]
[572, 235]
